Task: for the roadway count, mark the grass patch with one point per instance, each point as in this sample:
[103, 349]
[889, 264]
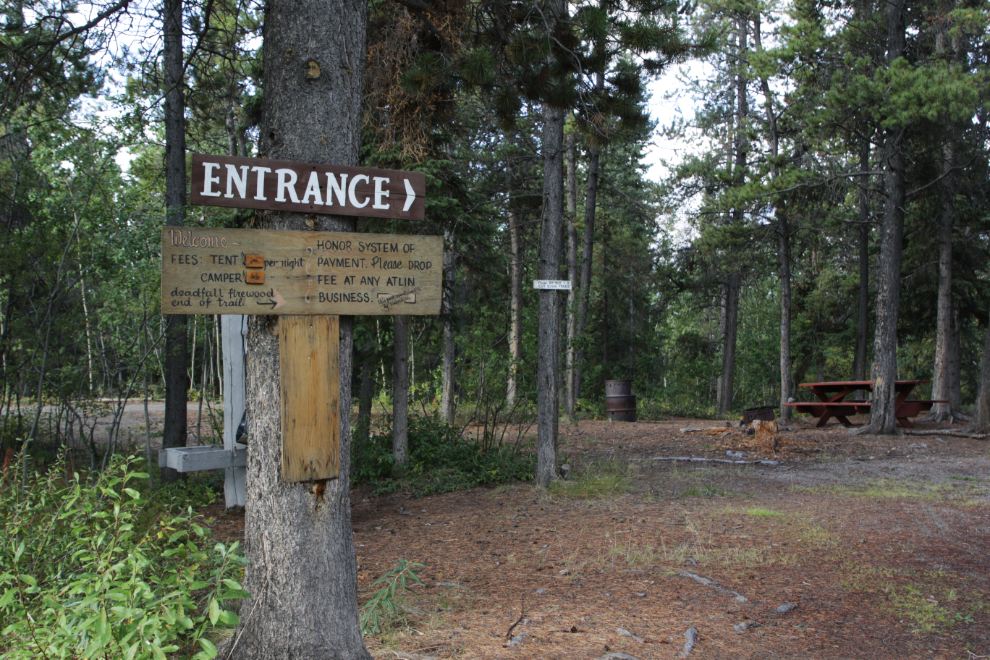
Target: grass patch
[962, 478]
[764, 513]
[708, 490]
[896, 489]
[599, 480]
[648, 556]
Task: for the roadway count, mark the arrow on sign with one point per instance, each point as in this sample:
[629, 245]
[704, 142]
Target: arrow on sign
[276, 301]
[410, 195]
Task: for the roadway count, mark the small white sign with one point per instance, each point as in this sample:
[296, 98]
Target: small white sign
[559, 285]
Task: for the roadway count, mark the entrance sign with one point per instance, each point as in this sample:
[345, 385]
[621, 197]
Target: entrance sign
[307, 277]
[556, 285]
[255, 271]
[280, 185]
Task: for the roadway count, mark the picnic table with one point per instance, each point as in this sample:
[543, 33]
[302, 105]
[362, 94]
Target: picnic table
[832, 401]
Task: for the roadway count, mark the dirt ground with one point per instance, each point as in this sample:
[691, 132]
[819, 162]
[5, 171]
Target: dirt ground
[848, 547]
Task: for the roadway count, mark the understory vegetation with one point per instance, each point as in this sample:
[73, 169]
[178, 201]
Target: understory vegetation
[93, 567]
[441, 459]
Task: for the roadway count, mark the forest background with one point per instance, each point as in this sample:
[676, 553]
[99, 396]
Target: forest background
[761, 261]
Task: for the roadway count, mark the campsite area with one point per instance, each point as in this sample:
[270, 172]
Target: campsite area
[849, 547]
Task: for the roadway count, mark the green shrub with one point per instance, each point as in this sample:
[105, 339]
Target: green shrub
[440, 459]
[83, 578]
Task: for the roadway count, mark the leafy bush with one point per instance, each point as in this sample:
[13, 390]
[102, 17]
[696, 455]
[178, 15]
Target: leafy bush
[440, 459]
[82, 578]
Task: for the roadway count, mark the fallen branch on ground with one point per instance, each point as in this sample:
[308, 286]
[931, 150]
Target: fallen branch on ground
[694, 459]
[711, 430]
[960, 433]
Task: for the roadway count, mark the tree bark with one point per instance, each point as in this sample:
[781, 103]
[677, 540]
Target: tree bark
[176, 343]
[448, 403]
[739, 176]
[587, 258]
[548, 342]
[572, 271]
[400, 390]
[783, 239]
[981, 419]
[365, 397]
[884, 371]
[944, 327]
[862, 331]
[725, 381]
[302, 573]
[515, 302]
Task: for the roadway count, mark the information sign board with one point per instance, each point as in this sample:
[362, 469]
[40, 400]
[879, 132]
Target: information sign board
[556, 285]
[254, 271]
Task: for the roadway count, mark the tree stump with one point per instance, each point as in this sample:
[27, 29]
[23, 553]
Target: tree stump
[767, 437]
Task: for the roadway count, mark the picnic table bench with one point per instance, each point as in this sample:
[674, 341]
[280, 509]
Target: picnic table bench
[832, 401]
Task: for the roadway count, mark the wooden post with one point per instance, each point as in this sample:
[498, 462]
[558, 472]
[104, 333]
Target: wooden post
[309, 371]
[234, 332]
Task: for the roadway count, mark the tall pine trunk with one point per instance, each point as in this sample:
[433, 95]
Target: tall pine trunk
[734, 280]
[302, 574]
[884, 372]
[548, 341]
[365, 397]
[448, 403]
[783, 238]
[862, 330]
[981, 418]
[587, 259]
[400, 390]
[515, 302]
[572, 270]
[945, 355]
[176, 343]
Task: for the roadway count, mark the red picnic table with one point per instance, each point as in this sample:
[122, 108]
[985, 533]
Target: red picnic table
[832, 403]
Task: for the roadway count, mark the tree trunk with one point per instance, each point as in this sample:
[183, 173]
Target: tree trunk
[944, 326]
[572, 271]
[176, 344]
[302, 573]
[365, 397]
[786, 368]
[981, 419]
[448, 402]
[862, 331]
[400, 390]
[548, 346]
[884, 371]
[587, 258]
[783, 239]
[739, 177]
[515, 302]
[725, 383]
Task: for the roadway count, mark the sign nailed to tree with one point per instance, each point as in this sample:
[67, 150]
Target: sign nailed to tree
[279, 185]
[257, 271]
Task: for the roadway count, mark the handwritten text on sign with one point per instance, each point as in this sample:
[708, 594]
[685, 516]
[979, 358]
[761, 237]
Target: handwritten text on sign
[259, 183]
[254, 271]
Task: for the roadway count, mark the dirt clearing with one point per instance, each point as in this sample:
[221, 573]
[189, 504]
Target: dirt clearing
[849, 547]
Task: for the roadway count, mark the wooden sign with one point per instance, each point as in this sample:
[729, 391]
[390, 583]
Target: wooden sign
[279, 185]
[255, 271]
[554, 285]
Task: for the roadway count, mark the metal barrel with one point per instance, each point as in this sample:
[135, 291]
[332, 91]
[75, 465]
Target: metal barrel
[620, 402]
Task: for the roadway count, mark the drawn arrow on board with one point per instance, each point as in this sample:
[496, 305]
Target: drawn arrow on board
[410, 195]
[276, 301]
